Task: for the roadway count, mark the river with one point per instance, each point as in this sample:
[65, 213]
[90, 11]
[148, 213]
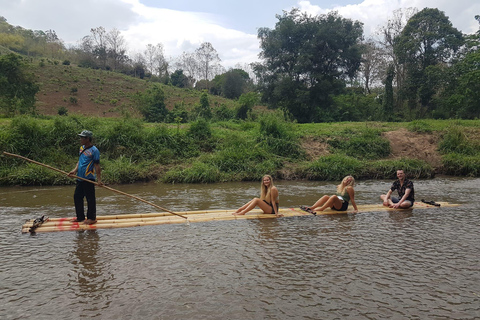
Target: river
[420, 264]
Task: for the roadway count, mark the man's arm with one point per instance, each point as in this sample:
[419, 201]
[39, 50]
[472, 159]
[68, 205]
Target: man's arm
[389, 193]
[98, 171]
[405, 196]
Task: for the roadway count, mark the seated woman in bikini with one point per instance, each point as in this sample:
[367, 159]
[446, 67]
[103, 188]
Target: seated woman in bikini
[268, 200]
[338, 202]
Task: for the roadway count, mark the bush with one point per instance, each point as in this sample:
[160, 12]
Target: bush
[200, 130]
[419, 126]
[199, 172]
[461, 165]
[332, 167]
[151, 104]
[123, 170]
[455, 140]
[62, 111]
[367, 144]
[277, 135]
[387, 169]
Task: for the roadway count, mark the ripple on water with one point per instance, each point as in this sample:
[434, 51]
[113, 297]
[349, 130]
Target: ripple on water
[403, 265]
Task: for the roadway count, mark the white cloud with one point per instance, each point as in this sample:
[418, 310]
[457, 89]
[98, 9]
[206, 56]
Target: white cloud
[186, 31]
[375, 13]
[180, 31]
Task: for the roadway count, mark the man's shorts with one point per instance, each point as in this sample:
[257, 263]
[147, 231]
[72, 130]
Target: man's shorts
[395, 200]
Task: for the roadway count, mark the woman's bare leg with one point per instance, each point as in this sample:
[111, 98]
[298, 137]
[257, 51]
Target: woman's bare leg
[244, 206]
[320, 202]
[332, 201]
[252, 204]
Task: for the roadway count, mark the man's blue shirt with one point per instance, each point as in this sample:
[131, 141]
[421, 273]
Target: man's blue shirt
[88, 157]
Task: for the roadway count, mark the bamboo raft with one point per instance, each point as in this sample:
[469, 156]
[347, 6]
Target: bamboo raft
[149, 219]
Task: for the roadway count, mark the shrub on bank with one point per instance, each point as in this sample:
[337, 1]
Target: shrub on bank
[199, 172]
[387, 169]
[30, 174]
[224, 151]
[337, 166]
[364, 144]
[331, 167]
[460, 165]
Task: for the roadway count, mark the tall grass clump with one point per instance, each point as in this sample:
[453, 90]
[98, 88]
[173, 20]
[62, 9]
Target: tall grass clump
[125, 170]
[461, 154]
[123, 137]
[419, 126]
[364, 144]
[277, 135]
[165, 145]
[199, 172]
[332, 167]
[459, 165]
[387, 169]
[32, 175]
[26, 137]
[201, 132]
[455, 140]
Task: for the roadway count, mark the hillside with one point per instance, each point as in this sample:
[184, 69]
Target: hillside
[100, 93]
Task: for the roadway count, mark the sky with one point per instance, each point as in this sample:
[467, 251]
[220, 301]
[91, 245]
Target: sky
[230, 26]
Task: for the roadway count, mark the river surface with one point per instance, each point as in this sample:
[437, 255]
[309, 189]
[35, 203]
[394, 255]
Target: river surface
[420, 264]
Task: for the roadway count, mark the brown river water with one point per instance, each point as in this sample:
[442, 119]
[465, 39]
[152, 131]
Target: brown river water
[420, 264]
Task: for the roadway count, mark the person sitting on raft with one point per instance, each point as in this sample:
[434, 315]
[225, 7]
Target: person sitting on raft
[338, 202]
[268, 200]
[406, 193]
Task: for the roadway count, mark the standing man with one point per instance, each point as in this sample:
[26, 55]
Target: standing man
[88, 166]
[406, 193]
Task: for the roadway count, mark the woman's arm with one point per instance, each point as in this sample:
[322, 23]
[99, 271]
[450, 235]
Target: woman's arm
[405, 196]
[351, 193]
[273, 197]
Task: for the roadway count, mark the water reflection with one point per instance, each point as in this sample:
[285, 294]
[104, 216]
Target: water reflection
[90, 274]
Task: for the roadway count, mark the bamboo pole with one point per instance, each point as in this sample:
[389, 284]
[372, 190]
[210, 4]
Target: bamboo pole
[95, 183]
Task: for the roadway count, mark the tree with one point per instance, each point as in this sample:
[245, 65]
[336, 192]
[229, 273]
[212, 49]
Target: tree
[246, 103]
[234, 83]
[17, 87]
[388, 100]
[203, 110]
[116, 48]
[428, 39]
[188, 63]
[152, 104]
[372, 60]
[155, 60]
[306, 59]
[53, 45]
[461, 97]
[389, 33]
[208, 61]
[178, 79]
[99, 49]
[138, 65]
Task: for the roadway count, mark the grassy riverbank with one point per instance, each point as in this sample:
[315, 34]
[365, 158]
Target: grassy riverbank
[204, 152]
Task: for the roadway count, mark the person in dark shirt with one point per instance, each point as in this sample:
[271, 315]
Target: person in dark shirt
[406, 193]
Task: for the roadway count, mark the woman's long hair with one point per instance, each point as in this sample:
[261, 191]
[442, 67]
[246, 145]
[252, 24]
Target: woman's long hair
[265, 191]
[343, 185]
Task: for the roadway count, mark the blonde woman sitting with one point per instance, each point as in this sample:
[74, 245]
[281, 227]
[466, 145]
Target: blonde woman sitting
[268, 200]
[338, 202]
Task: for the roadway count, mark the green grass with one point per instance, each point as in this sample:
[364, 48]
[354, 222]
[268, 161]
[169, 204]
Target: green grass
[205, 152]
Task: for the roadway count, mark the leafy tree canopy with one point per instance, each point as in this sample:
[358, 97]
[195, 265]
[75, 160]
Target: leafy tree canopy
[17, 87]
[427, 39]
[306, 59]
